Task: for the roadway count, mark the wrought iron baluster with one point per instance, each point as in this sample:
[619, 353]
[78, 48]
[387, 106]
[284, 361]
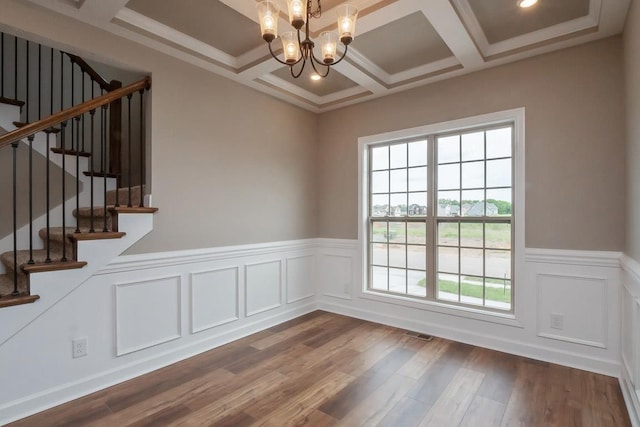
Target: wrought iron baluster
[61, 82]
[63, 132]
[129, 162]
[51, 99]
[39, 81]
[142, 147]
[27, 100]
[93, 170]
[15, 67]
[84, 136]
[73, 85]
[77, 119]
[104, 164]
[30, 139]
[48, 197]
[2, 65]
[15, 292]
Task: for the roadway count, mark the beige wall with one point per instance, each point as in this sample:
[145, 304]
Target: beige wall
[229, 165]
[574, 142]
[233, 166]
[632, 74]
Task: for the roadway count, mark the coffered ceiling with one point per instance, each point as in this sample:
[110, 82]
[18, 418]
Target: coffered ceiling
[399, 44]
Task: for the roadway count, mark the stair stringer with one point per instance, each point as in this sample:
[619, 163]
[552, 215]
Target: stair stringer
[55, 286]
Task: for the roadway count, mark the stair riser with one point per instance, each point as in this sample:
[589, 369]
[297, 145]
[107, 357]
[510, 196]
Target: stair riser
[98, 223]
[123, 196]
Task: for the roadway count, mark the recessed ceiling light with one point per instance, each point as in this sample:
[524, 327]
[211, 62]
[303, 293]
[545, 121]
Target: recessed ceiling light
[526, 3]
[315, 77]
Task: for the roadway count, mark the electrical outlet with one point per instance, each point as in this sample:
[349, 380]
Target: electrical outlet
[557, 321]
[79, 347]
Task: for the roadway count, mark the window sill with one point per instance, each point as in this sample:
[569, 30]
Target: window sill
[507, 319]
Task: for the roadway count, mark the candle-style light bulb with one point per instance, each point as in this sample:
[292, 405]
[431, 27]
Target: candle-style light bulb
[268, 17]
[347, 15]
[290, 47]
[297, 13]
[329, 44]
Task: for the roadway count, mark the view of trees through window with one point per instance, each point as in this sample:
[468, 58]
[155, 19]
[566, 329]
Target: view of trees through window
[440, 217]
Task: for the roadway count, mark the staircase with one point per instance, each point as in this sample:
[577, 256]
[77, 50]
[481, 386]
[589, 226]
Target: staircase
[81, 140]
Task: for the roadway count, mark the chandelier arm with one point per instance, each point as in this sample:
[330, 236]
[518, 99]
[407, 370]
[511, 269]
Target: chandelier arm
[299, 73]
[280, 60]
[300, 44]
[313, 64]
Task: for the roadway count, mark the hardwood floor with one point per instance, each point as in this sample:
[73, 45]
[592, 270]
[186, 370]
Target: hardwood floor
[324, 369]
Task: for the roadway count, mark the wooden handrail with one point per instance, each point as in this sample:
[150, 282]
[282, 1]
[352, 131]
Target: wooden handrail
[89, 70]
[69, 113]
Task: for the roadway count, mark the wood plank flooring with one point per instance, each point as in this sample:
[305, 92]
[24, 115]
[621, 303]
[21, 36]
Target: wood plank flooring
[323, 369]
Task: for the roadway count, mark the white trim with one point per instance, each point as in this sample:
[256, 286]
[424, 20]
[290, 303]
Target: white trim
[574, 257]
[517, 116]
[348, 244]
[631, 266]
[630, 397]
[151, 260]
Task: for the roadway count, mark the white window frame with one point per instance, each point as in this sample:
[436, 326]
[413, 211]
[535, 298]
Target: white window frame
[515, 116]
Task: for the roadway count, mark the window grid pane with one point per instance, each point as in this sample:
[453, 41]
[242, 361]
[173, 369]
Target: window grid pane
[483, 247]
[472, 204]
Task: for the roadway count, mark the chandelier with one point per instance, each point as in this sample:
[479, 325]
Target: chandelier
[297, 50]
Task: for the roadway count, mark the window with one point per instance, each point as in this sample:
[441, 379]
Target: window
[440, 215]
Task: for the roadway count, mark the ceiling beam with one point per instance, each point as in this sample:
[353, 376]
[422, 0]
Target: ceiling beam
[444, 19]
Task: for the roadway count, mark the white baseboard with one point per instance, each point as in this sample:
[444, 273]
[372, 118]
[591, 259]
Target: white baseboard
[630, 398]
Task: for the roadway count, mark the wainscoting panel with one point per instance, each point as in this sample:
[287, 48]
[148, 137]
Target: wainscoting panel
[630, 317]
[263, 287]
[336, 274]
[579, 304]
[300, 278]
[147, 313]
[214, 298]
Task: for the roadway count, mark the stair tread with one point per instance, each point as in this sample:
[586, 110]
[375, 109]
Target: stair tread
[41, 267]
[11, 101]
[98, 235]
[39, 257]
[10, 300]
[70, 152]
[133, 209]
